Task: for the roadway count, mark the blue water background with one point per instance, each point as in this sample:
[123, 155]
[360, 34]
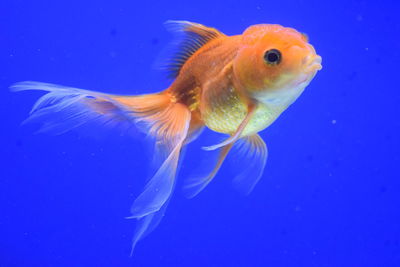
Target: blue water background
[330, 194]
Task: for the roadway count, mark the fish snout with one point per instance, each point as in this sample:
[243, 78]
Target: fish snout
[312, 63]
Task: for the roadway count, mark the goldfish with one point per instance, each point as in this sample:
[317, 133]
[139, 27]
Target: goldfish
[234, 85]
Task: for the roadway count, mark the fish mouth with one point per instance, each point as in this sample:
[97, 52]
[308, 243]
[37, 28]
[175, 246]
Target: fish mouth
[313, 63]
[289, 92]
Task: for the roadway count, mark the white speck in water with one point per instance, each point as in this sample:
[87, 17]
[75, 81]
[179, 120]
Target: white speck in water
[333, 121]
[113, 54]
[314, 253]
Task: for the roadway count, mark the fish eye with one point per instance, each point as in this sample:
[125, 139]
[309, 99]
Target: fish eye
[273, 57]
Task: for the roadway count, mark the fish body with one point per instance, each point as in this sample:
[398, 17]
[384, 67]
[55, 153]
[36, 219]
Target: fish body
[211, 79]
[236, 85]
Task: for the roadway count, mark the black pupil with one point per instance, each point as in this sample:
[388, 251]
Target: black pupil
[273, 56]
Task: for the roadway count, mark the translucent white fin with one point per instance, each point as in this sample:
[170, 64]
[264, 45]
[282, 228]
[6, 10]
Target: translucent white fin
[251, 153]
[159, 188]
[150, 205]
[170, 127]
[65, 108]
[146, 225]
[194, 185]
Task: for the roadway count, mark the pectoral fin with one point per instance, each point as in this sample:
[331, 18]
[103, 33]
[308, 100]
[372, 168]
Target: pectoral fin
[251, 152]
[197, 183]
[237, 134]
[249, 156]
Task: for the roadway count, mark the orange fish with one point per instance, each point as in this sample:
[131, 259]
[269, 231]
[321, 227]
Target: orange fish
[235, 85]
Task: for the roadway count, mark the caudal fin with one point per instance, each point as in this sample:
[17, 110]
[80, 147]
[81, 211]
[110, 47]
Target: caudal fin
[64, 108]
[168, 122]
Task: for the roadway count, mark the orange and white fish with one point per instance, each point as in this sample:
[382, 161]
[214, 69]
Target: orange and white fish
[235, 85]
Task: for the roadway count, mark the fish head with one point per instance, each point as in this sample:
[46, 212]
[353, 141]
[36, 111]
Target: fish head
[275, 63]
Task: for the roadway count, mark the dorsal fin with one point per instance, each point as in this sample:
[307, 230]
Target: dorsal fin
[191, 37]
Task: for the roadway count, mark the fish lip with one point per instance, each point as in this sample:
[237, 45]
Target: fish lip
[314, 64]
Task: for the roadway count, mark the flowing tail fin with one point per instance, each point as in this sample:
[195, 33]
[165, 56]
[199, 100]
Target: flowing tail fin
[168, 121]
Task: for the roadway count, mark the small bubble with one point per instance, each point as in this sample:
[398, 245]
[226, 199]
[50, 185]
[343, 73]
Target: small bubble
[333, 121]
